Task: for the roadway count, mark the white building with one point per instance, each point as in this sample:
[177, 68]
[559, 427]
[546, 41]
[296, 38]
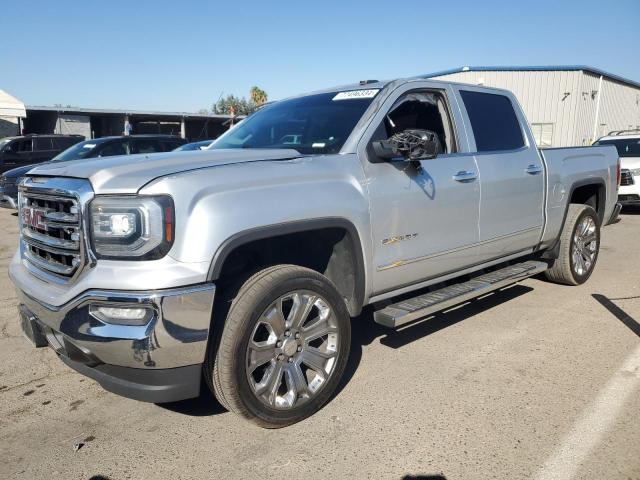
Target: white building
[12, 111]
[566, 105]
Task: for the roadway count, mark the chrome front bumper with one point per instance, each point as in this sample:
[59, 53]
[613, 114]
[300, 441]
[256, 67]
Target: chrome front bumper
[7, 202]
[142, 362]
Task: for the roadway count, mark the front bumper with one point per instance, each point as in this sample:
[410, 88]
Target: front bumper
[9, 198]
[157, 362]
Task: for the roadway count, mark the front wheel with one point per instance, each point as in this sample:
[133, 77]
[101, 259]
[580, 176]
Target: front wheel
[579, 246]
[283, 347]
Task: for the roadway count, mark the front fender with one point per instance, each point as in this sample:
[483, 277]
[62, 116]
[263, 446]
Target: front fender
[218, 207]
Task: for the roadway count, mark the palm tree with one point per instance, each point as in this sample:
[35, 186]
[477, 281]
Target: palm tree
[258, 96]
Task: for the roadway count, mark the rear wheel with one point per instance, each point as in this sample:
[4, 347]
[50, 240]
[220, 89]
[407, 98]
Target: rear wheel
[283, 348]
[579, 247]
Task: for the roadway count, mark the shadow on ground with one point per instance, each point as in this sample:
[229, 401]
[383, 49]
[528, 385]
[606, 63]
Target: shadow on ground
[364, 331]
[630, 210]
[205, 405]
[630, 322]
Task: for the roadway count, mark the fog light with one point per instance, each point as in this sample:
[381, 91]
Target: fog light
[122, 315]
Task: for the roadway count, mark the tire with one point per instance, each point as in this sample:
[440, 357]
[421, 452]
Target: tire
[579, 250]
[283, 347]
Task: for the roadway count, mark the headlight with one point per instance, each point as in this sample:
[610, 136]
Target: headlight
[132, 227]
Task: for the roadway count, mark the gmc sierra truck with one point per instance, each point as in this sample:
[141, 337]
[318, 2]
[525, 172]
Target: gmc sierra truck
[243, 264]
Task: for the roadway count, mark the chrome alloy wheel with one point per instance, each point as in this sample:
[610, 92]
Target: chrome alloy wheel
[292, 350]
[585, 246]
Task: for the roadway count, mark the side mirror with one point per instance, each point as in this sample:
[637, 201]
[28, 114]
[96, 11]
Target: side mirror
[411, 145]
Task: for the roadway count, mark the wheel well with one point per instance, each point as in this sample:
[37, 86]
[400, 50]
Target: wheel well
[331, 251]
[591, 194]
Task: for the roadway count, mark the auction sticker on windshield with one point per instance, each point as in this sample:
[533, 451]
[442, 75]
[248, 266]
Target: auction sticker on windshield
[354, 94]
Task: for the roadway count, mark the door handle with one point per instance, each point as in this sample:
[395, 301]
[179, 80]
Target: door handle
[465, 176]
[533, 169]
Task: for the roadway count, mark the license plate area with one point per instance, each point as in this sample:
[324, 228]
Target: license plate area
[31, 328]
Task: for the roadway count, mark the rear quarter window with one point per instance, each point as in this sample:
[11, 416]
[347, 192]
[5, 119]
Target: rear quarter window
[493, 121]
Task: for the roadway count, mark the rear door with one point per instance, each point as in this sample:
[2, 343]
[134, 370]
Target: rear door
[511, 173]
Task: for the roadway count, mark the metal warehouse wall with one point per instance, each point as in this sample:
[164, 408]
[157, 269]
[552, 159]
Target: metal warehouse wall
[565, 99]
[73, 125]
[619, 107]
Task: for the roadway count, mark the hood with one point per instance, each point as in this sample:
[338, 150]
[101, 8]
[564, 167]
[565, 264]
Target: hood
[630, 163]
[18, 171]
[128, 173]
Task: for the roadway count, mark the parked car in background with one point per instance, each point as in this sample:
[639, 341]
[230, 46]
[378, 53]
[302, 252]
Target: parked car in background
[627, 142]
[194, 146]
[124, 145]
[33, 149]
[95, 148]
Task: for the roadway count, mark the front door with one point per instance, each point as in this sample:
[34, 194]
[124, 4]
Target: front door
[17, 154]
[424, 216]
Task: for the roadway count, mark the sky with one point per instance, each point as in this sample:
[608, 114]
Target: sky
[182, 56]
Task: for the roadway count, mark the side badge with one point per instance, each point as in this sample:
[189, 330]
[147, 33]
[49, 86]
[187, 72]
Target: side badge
[398, 238]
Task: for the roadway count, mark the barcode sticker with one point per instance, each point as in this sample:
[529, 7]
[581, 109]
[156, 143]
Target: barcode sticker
[355, 94]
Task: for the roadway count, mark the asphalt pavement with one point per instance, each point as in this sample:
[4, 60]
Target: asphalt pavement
[536, 381]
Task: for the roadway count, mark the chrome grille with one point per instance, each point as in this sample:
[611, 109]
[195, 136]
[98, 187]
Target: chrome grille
[51, 228]
[626, 178]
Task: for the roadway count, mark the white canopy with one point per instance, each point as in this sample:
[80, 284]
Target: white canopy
[10, 106]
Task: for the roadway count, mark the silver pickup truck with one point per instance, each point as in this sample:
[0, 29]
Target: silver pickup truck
[243, 264]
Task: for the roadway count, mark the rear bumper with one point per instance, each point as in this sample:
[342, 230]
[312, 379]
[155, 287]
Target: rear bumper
[157, 362]
[629, 199]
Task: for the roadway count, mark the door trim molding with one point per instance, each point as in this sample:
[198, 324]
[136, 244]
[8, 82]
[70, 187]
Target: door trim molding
[400, 263]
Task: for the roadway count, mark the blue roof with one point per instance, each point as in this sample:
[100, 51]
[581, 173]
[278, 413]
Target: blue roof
[547, 68]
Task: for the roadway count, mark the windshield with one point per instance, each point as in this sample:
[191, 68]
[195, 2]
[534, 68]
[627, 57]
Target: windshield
[313, 124]
[4, 141]
[627, 147]
[78, 151]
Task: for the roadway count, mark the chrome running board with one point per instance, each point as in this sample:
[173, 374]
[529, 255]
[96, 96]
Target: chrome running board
[426, 304]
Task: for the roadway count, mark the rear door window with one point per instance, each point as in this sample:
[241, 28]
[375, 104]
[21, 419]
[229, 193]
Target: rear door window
[117, 147]
[42, 143]
[146, 145]
[493, 121]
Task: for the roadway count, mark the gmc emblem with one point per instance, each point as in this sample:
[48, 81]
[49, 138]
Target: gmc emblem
[33, 217]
